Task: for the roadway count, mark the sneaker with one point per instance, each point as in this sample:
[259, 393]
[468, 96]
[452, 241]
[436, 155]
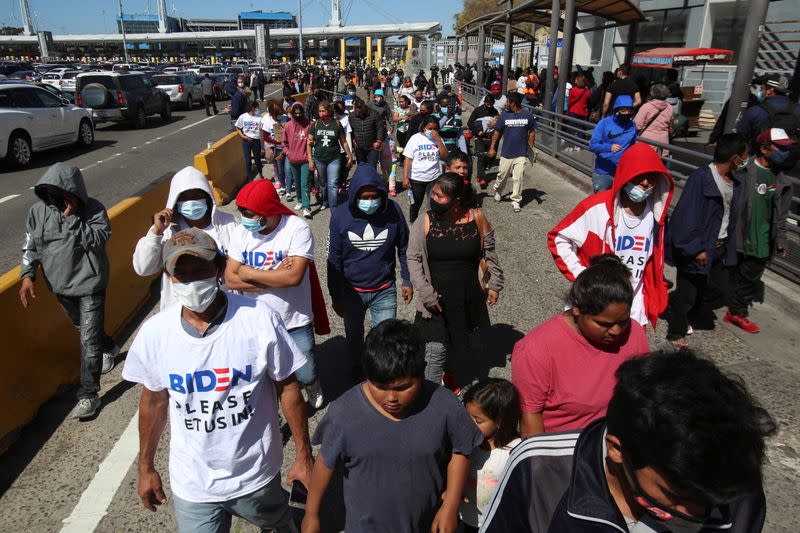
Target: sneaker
[323, 207]
[392, 192]
[741, 322]
[497, 197]
[298, 207]
[315, 397]
[86, 408]
[307, 213]
[483, 184]
[689, 330]
[515, 206]
[109, 360]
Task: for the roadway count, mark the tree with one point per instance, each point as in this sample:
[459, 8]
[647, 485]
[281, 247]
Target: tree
[474, 9]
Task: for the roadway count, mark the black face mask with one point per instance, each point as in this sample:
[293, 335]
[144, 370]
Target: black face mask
[439, 209]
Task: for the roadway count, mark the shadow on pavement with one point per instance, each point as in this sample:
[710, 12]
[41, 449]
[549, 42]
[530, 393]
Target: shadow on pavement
[34, 435]
[489, 348]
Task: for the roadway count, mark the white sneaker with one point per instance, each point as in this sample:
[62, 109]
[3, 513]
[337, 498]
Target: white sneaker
[323, 207]
[298, 207]
[307, 213]
[86, 408]
[497, 197]
[109, 360]
[515, 206]
[689, 330]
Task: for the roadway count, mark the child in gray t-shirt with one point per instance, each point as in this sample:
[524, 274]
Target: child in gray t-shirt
[399, 438]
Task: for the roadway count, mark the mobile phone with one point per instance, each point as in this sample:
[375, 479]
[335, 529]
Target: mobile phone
[299, 495]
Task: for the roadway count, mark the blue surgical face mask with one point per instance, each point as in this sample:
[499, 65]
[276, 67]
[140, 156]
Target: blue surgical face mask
[444, 110]
[193, 209]
[253, 224]
[636, 193]
[428, 134]
[778, 158]
[760, 95]
[369, 206]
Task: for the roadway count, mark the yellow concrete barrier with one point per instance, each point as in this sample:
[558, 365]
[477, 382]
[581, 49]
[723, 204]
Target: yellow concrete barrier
[41, 350]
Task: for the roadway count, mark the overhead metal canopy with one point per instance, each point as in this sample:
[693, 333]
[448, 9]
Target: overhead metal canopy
[620, 11]
[497, 21]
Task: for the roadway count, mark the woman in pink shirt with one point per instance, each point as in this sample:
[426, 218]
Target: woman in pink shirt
[565, 368]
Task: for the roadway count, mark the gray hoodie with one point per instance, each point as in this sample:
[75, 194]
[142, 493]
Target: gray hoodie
[71, 250]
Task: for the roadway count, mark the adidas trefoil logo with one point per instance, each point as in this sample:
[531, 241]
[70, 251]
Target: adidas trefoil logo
[369, 241]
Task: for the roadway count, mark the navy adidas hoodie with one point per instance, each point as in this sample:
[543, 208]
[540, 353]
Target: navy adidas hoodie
[363, 248]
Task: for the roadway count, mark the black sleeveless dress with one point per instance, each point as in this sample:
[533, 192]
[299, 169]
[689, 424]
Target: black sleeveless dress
[454, 252]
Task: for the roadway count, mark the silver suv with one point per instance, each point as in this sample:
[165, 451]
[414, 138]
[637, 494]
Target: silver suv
[183, 88]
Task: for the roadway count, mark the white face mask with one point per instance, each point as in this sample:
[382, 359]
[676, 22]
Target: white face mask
[196, 295]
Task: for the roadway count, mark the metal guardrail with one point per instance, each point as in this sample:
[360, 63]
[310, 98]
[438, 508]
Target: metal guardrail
[567, 139]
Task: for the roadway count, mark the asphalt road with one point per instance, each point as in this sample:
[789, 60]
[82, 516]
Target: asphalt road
[121, 163]
[84, 472]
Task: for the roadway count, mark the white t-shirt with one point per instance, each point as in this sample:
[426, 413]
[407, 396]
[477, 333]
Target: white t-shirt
[634, 247]
[522, 84]
[485, 472]
[426, 164]
[224, 436]
[250, 125]
[292, 237]
[344, 120]
[726, 190]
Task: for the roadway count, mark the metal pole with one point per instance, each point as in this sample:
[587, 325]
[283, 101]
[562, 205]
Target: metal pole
[756, 14]
[300, 26]
[456, 59]
[481, 54]
[566, 52]
[122, 26]
[555, 15]
[533, 46]
[509, 45]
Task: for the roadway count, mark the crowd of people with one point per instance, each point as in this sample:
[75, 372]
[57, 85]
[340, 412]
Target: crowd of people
[595, 431]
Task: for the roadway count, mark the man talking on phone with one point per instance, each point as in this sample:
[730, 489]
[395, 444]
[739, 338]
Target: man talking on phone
[66, 234]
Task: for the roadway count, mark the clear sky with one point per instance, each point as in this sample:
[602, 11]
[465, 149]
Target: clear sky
[98, 16]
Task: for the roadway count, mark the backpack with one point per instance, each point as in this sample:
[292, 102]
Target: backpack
[678, 126]
[786, 120]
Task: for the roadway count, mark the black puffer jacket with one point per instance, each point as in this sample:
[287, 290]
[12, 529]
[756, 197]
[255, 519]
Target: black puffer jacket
[367, 129]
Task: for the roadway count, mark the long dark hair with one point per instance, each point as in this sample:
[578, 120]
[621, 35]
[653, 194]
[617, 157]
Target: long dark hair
[499, 400]
[453, 186]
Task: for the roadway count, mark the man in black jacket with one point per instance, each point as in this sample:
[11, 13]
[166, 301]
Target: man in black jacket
[369, 132]
[680, 451]
[479, 124]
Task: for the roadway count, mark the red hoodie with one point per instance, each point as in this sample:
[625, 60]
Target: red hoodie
[590, 229]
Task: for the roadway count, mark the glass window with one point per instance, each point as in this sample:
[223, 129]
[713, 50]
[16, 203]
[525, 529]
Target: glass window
[650, 30]
[675, 23]
[167, 80]
[129, 83]
[47, 99]
[105, 81]
[26, 98]
[5, 99]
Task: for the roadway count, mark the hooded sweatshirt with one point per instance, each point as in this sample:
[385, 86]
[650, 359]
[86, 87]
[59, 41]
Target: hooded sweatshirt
[363, 247]
[590, 229]
[653, 121]
[294, 137]
[71, 250]
[147, 259]
[611, 131]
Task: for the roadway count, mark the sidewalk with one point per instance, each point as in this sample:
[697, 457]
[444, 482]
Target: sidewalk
[57, 458]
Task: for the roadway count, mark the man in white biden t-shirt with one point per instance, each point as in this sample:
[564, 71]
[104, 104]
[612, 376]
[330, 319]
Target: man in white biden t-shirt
[216, 363]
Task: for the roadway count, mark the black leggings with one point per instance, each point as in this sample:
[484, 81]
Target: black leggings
[421, 192]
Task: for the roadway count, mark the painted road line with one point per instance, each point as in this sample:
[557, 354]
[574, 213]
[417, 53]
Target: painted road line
[9, 197]
[94, 502]
[193, 124]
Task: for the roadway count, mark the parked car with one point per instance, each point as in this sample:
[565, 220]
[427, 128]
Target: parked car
[183, 88]
[117, 97]
[32, 119]
[235, 71]
[25, 75]
[61, 79]
[275, 71]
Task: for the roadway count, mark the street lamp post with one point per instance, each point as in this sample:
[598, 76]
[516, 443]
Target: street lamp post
[122, 26]
[300, 26]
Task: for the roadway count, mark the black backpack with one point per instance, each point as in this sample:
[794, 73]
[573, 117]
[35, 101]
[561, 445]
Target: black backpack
[785, 119]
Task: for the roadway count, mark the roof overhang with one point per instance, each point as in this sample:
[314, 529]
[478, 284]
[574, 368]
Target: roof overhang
[375, 30]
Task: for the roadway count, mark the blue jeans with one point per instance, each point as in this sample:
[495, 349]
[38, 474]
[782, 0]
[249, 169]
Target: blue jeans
[303, 337]
[601, 182]
[87, 313]
[287, 176]
[328, 181]
[252, 154]
[279, 168]
[267, 508]
[382, 306]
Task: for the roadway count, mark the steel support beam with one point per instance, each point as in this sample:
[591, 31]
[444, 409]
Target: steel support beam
[555, 16]
[566, 51]
[751, 38]
[509, 45]
[481, 55]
